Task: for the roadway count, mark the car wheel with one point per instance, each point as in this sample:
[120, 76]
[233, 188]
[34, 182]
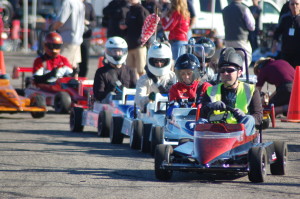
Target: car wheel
[62, 102]
[279, 167]
[102, 128]
[145, 143]
[116, 137]
[156, 138]
[257, 162]
[76, 119]
[162, 154]
[136, 134]
[39, 101]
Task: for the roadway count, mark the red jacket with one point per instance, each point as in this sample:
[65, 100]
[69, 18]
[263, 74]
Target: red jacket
[177, 25]
[49, 64]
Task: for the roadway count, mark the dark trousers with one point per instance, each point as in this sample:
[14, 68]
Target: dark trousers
[83, 66]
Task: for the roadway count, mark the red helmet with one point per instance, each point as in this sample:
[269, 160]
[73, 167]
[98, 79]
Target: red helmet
[53, 43]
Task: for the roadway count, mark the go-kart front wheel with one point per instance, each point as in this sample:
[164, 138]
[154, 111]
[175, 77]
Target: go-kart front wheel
[62, 102]
[257, 162]
[162, 155]
[278, 167]
[136, 134]
[76, 119]
[156, 138]
[103, 129]
[145, 143]
[116, 137]
[39, 101]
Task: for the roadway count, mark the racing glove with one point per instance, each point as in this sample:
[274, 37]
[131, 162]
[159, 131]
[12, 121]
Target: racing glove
[238, 114]
[44, 78]
[151, 96]
[219, 105]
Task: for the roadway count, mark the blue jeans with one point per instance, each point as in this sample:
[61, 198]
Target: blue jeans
[175, 45]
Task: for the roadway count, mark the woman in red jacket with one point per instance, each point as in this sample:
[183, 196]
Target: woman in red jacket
[177, 21]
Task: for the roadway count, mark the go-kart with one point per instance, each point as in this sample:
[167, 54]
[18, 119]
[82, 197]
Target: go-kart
[64, 93]
[218, 147]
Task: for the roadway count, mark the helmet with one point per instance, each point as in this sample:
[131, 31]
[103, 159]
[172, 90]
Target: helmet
[209, 49]
[230, 57]
[116, 50]
[159, 51]
[52, 43]
[187, 61]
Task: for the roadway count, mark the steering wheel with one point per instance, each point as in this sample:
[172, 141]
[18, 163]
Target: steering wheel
[220, 118]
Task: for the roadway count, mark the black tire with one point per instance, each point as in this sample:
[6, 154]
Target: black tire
[39, 101]
[116, 137]
[265, 123]
[76, 119]
[162, 154]
[136, 134]
[279, 167]
[145, 143]
[156, 138]
[62, 102]
[102, 130]
[257, 162]
[8, 11]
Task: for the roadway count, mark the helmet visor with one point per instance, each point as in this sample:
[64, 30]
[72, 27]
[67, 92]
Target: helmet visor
[159, 62]
[53, 46]
[116, 52]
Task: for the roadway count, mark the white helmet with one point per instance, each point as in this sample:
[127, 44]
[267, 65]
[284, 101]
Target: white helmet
[162, 52]
[116, 50]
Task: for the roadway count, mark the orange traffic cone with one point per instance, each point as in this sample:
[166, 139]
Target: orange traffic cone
[294, 105]
[2, 64]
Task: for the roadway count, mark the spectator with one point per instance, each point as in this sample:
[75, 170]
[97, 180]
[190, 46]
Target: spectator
[134, 22]
[177, 21]
[114, 74]
[192, 17]
[89, 24]
[289, 30]
[114, 14]
[284, 10]
[279, 73]
[51, 65]
[253, 35]
[238, 21]
[70, 24]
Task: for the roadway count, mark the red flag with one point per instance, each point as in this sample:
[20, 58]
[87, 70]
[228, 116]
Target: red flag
[149, 27]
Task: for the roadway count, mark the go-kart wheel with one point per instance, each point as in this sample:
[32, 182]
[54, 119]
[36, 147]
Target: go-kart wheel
[145, 143]
[257, 162]
[278, 167]
[76, 119]
[39, 101]
[62, 102]
[103, 131]
[156, 138]
[116, 137]
[136, 134]
[162, 155]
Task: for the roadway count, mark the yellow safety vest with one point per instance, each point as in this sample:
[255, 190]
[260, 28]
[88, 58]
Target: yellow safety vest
[243, 97]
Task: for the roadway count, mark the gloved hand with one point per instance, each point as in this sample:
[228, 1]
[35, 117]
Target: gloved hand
[53, 72]
[151, 96]
[238, 114]
[219, 105]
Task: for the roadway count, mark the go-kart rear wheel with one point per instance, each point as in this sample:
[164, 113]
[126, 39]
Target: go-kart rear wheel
[62, 102]
[76, 119]
[39, 101]
[145, 143]
[116, 137]
[136, 134]
[156, 138]
[162, 155]
[278, 168]
[257, 162]
[103, 131]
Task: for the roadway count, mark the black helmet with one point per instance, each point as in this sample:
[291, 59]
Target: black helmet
[187, 61]
[209, 49]
[230, 57]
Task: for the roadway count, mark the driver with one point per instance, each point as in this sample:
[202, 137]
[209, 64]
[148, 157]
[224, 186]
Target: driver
[242, 97]
[51, 65]
[114, 74]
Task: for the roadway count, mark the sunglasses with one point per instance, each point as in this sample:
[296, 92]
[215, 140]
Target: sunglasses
[227, 70]
[54, 46]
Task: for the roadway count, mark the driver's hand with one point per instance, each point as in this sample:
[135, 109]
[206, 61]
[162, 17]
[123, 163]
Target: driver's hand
[53, 72]
[238, 113]
[219, 105]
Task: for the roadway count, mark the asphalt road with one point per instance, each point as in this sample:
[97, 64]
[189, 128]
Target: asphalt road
[41, 158]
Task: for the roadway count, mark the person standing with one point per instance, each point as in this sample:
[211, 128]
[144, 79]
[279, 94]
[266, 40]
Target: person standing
[70, 24]
[289, 29]
[253, 35]
[238, 21]
[89, 24]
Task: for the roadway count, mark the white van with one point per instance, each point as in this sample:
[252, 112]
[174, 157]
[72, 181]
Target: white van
[209, 14]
